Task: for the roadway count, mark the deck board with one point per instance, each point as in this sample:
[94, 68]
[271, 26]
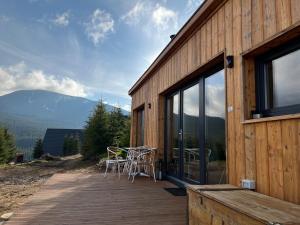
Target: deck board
[92, 199]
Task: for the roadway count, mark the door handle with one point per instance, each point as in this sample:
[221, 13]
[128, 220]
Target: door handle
[180, 134]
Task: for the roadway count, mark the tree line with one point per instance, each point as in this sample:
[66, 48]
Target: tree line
[102, 129]
[105, 129]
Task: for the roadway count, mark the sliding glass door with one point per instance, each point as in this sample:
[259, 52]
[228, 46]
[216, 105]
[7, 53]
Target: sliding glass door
[173, 136]
[195, 131]
[190, 132]
[215, 148]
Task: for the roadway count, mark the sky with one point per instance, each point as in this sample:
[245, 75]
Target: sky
[95, 49]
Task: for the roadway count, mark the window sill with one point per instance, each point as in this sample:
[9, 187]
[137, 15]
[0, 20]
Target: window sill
[273, 118]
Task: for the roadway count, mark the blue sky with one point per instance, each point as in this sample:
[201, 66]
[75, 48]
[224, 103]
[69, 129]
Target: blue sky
[89, 48]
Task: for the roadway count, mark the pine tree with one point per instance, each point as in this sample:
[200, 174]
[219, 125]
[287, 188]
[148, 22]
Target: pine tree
[125, 136]
[10, 145]
[3, 153]
[96, 136]
[7, 146]
[116, 126]
[38, 149]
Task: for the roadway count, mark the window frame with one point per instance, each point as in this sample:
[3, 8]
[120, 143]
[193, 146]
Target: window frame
[262, 76]
[200, 81]
[140, 126]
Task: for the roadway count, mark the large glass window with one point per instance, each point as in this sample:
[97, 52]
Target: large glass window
[215, 149]
[278, 81]
[190, 129]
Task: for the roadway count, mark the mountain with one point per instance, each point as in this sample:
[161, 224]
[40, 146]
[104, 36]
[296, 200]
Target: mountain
[28, 113]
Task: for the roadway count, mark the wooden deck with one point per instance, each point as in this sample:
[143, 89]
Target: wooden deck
[92, 199]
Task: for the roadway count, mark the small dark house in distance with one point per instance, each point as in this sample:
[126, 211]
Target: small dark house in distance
[55, 140]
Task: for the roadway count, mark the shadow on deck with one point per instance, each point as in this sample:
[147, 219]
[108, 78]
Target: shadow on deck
[93, 199]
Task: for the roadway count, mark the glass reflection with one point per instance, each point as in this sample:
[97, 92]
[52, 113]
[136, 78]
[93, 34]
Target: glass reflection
[173, 151]
[215, 150]
[285, 73]
[191, 132]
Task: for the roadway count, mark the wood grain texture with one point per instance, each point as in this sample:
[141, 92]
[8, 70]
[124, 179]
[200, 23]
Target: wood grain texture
[221, 29]
[198, 47]
[275, 159]
[290, 168]
[93, 199]
[203, 45]
[231, 154]
[246, 24]
[249, 97]
[214, 35]
[250, 152]
[283, 14]
[262, 159]
[257, 19]
[295, 9]
[209, 39]
[241, 207]
[269, 18]
[237, 73]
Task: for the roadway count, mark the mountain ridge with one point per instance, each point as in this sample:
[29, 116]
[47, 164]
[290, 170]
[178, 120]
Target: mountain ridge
[28, 113]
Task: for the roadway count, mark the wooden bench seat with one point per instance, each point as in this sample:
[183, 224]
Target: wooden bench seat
[227, 204]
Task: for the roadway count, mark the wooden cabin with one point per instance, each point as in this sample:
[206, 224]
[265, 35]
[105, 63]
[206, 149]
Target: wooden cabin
[222, 101]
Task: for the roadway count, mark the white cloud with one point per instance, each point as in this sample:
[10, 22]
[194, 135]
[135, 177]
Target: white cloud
[192, 5]
[100, 24]
[19, 77]
[62, 19]
[215, 102]
[163, 18]
[133, 16]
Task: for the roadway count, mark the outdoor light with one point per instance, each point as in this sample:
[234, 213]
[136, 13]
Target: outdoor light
[172, 36]
[229, 61]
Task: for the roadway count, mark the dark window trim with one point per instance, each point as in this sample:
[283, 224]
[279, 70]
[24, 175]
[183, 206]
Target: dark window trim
[139, 109]
[261, 81]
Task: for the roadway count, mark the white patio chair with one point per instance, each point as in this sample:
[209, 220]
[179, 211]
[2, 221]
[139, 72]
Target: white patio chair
[145, 160]
[129, 159]
[114, 160]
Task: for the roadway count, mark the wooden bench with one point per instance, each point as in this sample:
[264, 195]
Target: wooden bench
[227, 205]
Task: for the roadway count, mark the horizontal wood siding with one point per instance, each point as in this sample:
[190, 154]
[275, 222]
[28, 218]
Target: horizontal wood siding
[268, 151]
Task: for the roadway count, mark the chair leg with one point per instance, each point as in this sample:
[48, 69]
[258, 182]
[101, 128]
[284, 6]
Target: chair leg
[134, 173]
[154, 173]
[106, 169]
[125, 167]
[130, 171]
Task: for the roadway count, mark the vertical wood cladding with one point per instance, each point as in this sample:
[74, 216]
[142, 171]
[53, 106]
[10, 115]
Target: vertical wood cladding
[269, 151]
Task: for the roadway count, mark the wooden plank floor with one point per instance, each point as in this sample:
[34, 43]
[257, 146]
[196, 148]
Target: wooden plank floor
[68, 199]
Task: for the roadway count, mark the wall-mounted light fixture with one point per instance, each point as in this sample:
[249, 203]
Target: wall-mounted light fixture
[149, 105]
[229, 61]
